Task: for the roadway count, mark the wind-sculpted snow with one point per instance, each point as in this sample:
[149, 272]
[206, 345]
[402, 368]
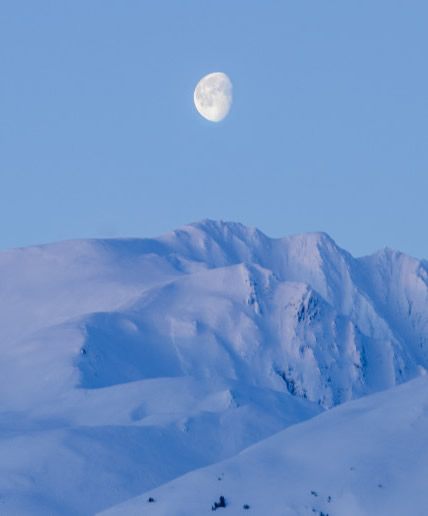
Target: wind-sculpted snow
[129, 362]
[297, 314]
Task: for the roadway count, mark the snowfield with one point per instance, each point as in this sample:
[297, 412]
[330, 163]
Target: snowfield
[366, 457]
[128, 363]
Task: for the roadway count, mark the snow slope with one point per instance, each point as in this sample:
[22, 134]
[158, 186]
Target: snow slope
[127, 363]
[366, 457]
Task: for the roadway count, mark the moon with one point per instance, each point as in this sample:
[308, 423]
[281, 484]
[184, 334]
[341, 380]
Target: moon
[213, 96]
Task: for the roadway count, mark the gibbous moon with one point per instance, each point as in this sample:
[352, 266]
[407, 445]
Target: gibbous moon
[213, 96]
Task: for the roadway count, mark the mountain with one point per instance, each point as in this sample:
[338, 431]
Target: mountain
[127, 363]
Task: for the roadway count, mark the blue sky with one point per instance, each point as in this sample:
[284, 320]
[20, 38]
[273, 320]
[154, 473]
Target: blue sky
[328, 131]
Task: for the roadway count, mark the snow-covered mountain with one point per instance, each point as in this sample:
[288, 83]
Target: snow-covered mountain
[127, 363]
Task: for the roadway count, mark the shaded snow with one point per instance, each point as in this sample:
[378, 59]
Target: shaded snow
[367, 457]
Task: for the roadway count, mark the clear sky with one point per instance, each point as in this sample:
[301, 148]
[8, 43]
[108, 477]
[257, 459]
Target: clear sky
[328, 131]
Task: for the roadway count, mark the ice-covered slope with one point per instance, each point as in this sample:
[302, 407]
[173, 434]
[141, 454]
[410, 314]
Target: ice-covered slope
[126, 363]
[365, 458]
